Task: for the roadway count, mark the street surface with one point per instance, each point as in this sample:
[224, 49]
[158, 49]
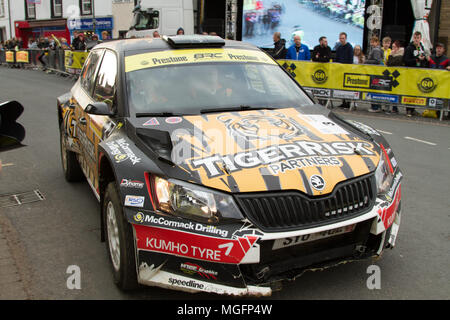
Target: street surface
[44, 238]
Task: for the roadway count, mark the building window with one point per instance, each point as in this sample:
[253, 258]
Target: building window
[57, 8]
[30, 9]
[86, 7]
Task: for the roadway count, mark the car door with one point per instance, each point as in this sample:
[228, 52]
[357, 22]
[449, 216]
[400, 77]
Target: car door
[82, 97]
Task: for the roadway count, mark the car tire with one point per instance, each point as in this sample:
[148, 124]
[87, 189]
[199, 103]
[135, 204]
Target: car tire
[70, 164]
[119, 240]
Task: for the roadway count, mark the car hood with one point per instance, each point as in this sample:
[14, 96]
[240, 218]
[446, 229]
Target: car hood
[262, 150]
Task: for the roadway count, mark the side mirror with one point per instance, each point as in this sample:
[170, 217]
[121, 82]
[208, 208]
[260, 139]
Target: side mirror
[99, 109]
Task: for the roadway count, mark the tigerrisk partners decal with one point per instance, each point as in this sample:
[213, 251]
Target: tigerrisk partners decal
[284, 157]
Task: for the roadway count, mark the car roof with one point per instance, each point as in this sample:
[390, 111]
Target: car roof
[138, 45]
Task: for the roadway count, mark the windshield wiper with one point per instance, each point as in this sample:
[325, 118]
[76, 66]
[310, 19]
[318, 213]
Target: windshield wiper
[156, 114]
[240, 108]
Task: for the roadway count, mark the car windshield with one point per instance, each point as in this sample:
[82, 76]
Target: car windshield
[195, 88]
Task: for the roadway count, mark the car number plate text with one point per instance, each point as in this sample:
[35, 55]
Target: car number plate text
[292, 241]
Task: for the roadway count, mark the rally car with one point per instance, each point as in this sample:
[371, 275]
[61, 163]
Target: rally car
[215, 171]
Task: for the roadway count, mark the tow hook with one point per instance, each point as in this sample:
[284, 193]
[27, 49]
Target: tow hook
[360, 250]
[262, 273]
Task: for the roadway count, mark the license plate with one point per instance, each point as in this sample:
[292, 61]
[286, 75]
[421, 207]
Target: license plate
[293, 241]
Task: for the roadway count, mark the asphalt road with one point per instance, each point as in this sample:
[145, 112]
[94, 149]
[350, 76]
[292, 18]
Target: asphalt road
[63, 230]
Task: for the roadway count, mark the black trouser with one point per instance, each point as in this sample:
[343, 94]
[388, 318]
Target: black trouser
[40, 58]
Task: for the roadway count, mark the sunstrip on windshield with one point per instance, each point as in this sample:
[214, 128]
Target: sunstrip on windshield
[174, 57]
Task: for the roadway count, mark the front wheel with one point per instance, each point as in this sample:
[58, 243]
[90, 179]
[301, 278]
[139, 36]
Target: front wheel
[119, 240]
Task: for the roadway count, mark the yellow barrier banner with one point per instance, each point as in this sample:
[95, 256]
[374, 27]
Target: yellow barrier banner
[415, 86]
[75, 59]
[22, 56]
[9, 56]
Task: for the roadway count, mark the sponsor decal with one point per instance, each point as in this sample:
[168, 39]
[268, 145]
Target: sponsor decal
[436, 103]
[353, 80]
[352, 95]
[279, 153]
[380, 97]
[366, 81]
[174, 120]
[191, 268]
[190, 226]
[195, 246]
[127, 183]
[427, 84]
[87, 144]
[387, 214]
[319, 76]
[383, 83]
[192, 284]
[318, 92]
[323, 124]
[298, 163]
[317, 182]
[394, 162]
[151, 122]
[175, 57]
[395, 183]
[276, 126]
[121, 151]
[414, 101]
[364, 128]
[134, 201]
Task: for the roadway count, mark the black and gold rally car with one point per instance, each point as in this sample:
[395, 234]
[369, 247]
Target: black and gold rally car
[216, 172]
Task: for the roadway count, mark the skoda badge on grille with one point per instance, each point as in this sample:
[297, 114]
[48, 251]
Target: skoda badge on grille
[317, 182]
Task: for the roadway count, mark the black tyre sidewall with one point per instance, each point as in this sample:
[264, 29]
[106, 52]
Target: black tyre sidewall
[73, 172]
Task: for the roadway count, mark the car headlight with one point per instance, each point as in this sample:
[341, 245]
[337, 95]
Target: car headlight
[383, 174]
[194, 202]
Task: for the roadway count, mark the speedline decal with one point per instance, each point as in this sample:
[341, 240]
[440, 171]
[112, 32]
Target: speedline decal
[174, 57]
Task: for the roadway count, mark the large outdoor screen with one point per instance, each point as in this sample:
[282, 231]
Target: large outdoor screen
[310, 19]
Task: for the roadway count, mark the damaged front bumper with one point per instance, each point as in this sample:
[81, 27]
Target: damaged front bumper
[239, 259]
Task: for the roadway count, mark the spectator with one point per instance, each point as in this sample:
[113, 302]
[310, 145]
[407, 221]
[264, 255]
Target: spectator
[439, 60]
[415, 56]
[375, 57]
[344, 54]
[64, 44]
[395, 59]
[180, 31]
[156, 34]
[105, 35]
[212, 33]
[386, 49]
[279, 51]
[322, 52]
[358, 55]
[376, 54]
[298, 51]
[79, 43]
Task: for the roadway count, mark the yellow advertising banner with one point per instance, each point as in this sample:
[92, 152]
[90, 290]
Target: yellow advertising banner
[75, 59]
[378, 83]
[9, 56]
[22, 56]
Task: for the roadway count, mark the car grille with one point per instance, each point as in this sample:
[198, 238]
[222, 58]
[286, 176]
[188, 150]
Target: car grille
[293, 210]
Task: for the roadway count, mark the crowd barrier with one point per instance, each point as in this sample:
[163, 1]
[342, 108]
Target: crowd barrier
[409, 87]
[65, 62]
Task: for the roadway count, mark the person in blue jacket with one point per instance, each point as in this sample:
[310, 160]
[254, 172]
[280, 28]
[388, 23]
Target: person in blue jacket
[298, 51]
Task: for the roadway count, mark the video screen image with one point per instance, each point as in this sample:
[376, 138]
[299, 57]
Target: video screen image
[308, 19]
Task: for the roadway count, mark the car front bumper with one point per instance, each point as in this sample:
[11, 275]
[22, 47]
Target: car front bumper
[239, 259]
